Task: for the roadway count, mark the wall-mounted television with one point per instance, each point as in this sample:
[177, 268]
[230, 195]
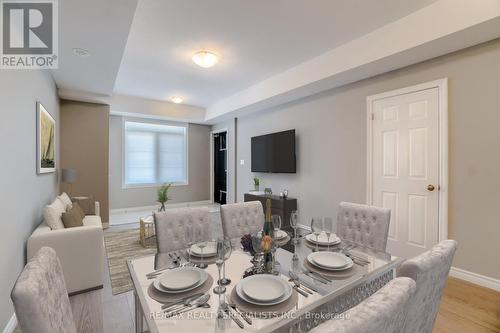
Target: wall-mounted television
[274, 152]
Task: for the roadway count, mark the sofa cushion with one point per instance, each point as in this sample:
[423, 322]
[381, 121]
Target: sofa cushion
[92, 220]
[87, 204]
[72, 218]
[79, 210]
[66, 200]
[52, 214]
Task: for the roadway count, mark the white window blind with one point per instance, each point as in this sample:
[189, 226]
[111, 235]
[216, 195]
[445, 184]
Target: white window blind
[154, 154]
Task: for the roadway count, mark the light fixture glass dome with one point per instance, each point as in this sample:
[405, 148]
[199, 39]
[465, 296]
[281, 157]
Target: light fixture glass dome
[177, 99]
[205, 59]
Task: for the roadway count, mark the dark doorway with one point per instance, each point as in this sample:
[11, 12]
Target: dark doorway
[220, 167]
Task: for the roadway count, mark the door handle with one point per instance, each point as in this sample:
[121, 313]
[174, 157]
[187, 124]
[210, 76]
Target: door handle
[430, 187]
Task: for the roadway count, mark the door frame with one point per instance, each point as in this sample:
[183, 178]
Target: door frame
[222, 130]
[442, 86]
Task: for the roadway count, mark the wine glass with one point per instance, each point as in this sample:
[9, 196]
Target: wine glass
[328, 222]
[276, 219]
[228, 249]
[317, 228]
[219, 261]
[294, 220]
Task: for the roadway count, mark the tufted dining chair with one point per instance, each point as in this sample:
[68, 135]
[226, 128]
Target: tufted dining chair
[242, 218]
[40, 297]
[383, 312]
[364, 225]
[171, 226]
[430, 272]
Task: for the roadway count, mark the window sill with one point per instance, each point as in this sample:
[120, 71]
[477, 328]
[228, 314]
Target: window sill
[127, 187]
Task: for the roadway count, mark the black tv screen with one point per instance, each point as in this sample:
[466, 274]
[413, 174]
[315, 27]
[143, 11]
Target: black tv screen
[274, 152]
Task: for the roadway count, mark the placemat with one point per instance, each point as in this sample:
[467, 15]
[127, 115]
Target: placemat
[167, 298]
[204, 260]
[260, 311]
[334, 274]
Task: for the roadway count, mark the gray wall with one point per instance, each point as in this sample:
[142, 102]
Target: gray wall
[331, 148]
[198, 162]
[23, 193]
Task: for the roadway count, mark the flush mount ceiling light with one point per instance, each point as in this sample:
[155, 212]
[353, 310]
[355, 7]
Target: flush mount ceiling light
[81, 52]
[205, 59]
[177, 99]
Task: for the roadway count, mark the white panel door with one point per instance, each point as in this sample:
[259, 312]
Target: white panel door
[405, 169]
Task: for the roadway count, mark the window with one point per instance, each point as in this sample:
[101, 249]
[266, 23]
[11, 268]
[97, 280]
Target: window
[154, 154]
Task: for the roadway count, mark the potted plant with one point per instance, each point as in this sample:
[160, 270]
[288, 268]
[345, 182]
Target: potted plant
[256, 183]
[163, 196]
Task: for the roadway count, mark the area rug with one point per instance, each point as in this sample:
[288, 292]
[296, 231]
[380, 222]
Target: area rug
[121, 246]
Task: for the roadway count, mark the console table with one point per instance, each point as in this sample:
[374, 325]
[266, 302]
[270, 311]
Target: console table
[279, 206]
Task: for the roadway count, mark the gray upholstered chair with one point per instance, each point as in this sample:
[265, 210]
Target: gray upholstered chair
[242, 218]
[40, 297]
[364, 225]
[382, 312]
[171, 227]
[430, 272]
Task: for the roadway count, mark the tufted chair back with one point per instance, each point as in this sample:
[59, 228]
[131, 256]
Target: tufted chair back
[430, 272]
[382, 312]
[40, 297]
[171, 225]
[243, 218]
[364, 225]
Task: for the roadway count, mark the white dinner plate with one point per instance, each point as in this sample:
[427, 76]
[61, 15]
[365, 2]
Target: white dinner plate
[323, 239]
[263, 289]
[180, 279]
[332, 261]
[280, 234]
[208, 251]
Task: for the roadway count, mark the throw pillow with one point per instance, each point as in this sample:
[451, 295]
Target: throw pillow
[72, 218]
[79, 209]
[65, 200]
[87, 204]
[52, 214]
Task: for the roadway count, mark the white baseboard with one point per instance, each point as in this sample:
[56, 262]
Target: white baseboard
[11, 325]
[475, 278]
[155, 207]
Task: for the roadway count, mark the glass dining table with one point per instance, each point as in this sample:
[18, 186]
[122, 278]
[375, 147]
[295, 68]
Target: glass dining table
[329, 299]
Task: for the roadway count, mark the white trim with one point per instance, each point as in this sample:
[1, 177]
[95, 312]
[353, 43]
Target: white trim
[11, 325]
[222, 130]
[475, 278]
[442, 86]
[155, 207]
[155, 117]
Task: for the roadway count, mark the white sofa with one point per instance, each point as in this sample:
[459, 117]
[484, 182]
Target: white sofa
[80, 250]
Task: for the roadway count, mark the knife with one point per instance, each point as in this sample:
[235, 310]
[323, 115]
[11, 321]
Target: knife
[234, 318]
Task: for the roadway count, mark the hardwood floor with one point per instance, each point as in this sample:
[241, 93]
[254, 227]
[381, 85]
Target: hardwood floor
[466, 307]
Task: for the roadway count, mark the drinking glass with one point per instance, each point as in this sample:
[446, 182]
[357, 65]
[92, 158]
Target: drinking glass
[317, 228]
[189, 238]
[294, 220]
[276, 219]
[257, 247]
[228, 249]
[328, 222]
[219, 261]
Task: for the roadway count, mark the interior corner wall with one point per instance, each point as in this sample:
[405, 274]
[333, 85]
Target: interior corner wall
[85, 148]
[331, 148]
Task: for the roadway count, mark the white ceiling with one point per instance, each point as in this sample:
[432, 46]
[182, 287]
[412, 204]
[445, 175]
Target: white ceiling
[256, 39]
[102, 28]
